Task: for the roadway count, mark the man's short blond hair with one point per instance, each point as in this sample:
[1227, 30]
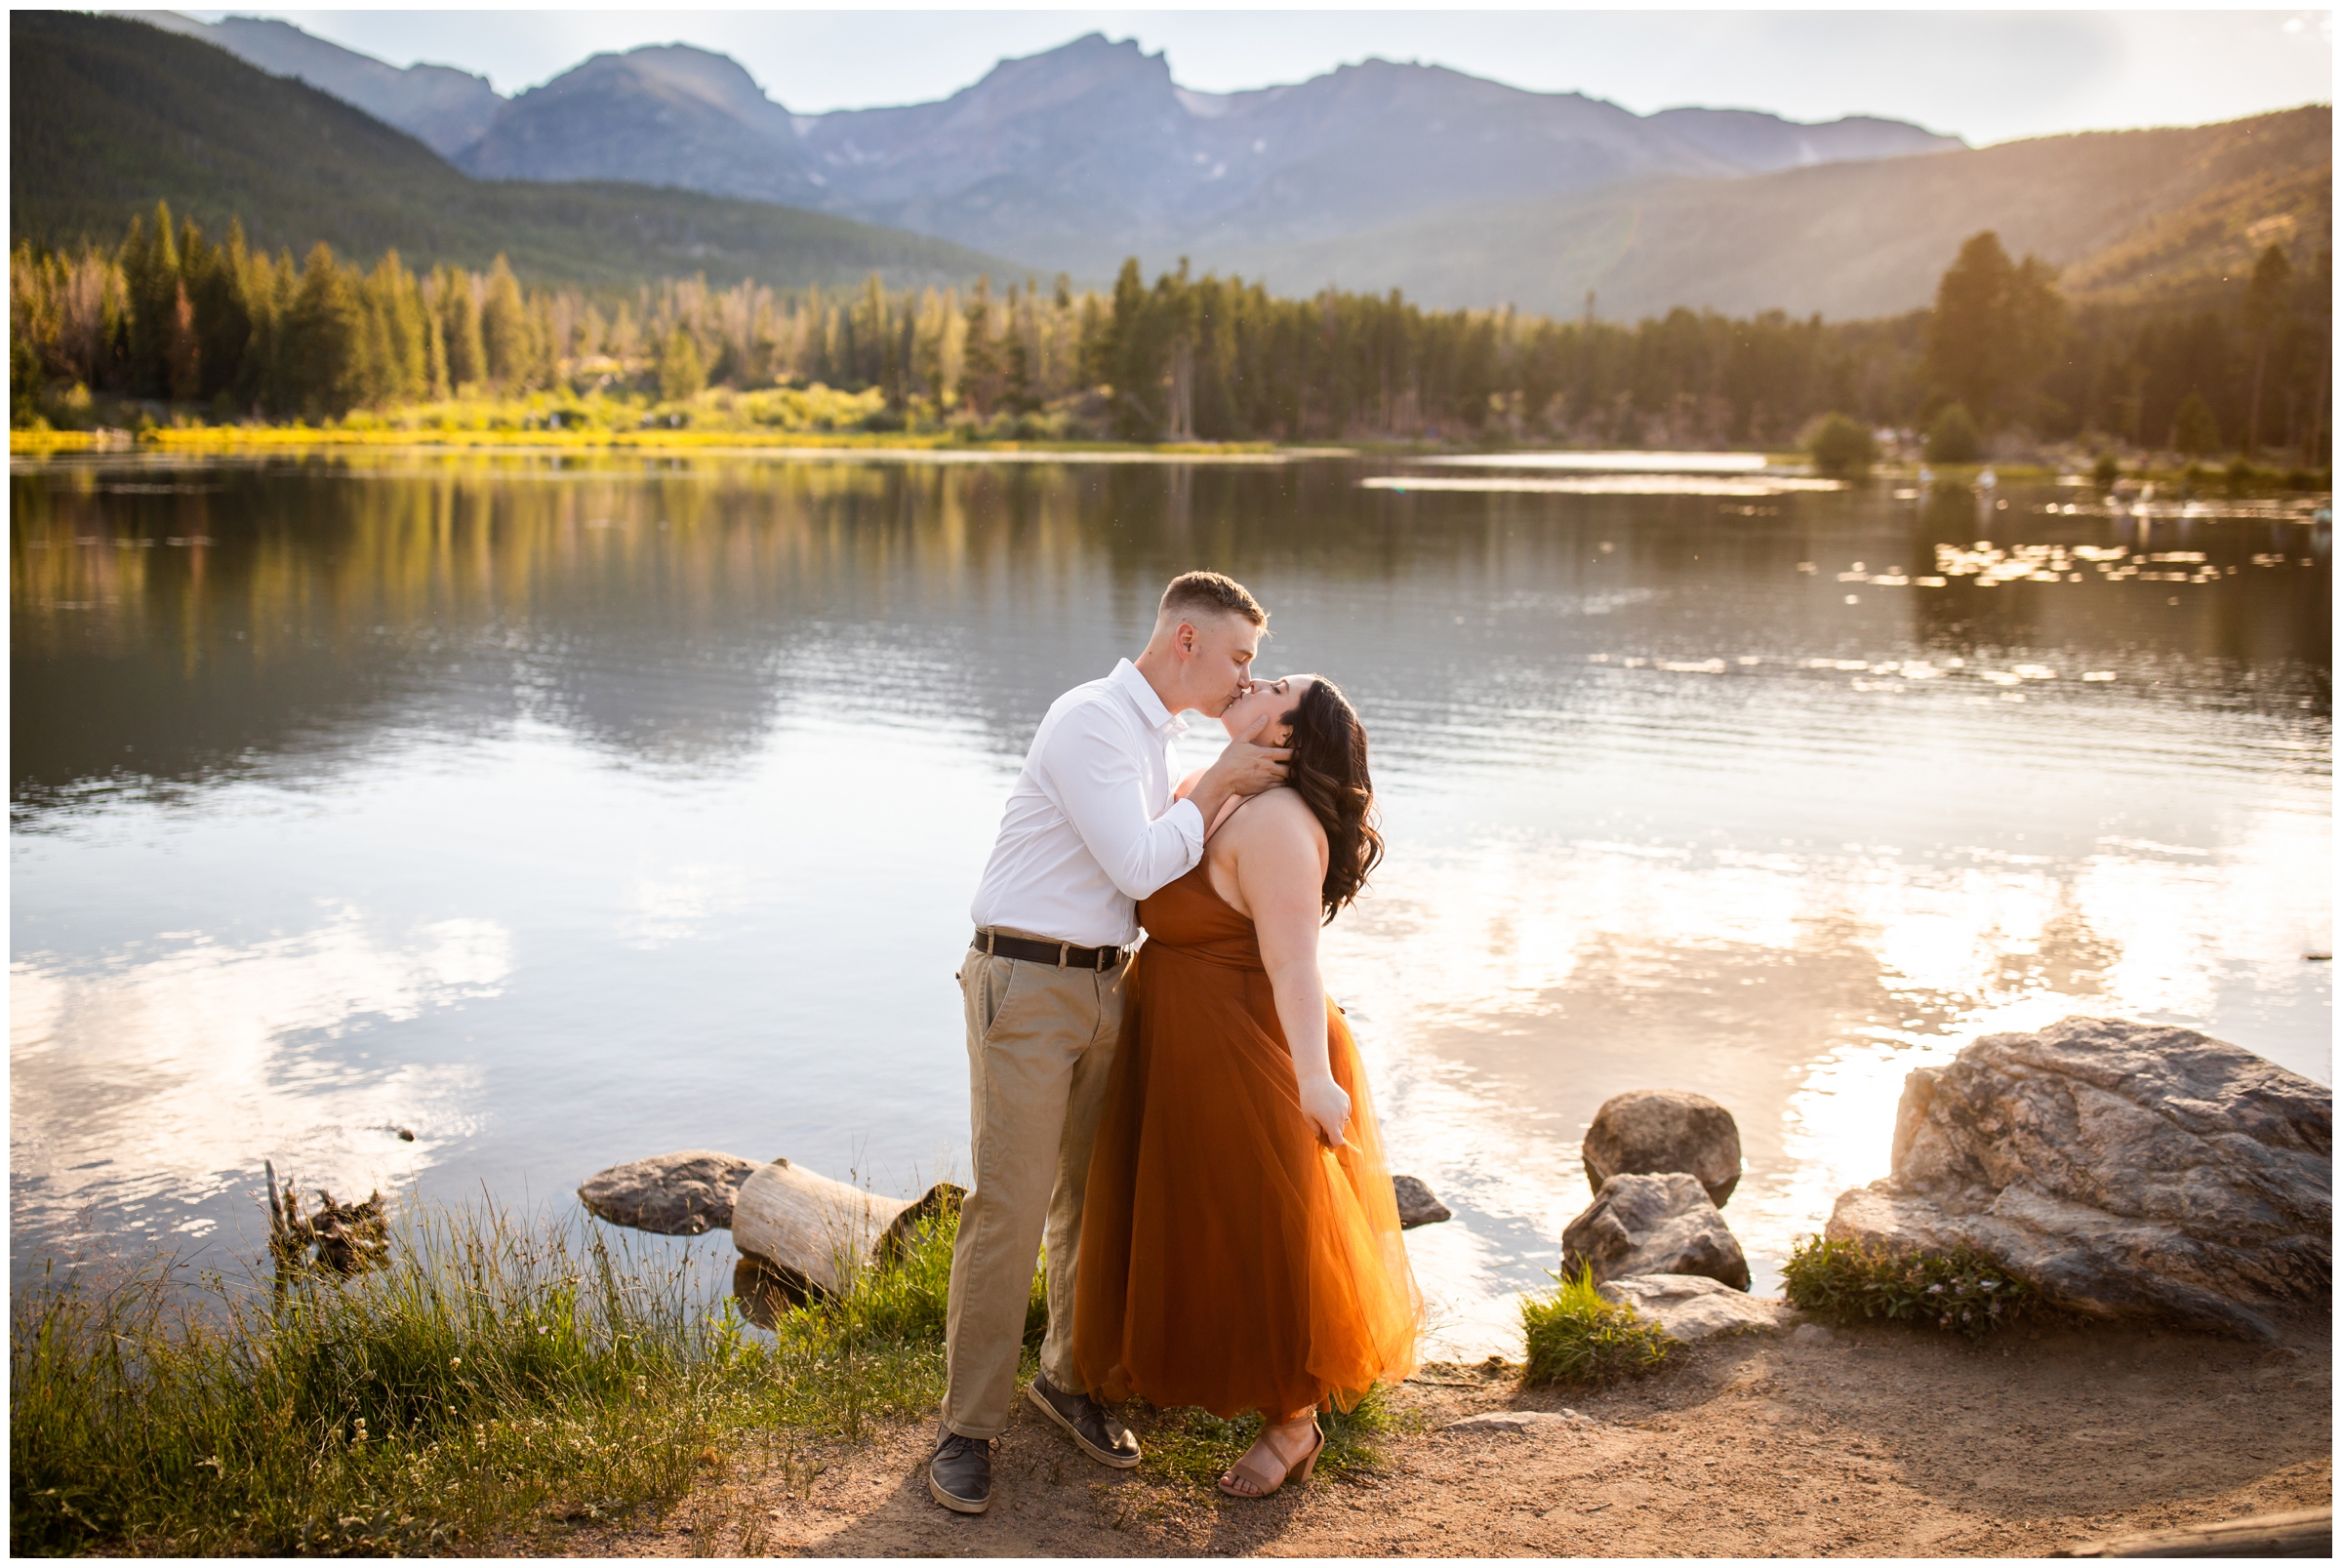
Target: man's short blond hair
[1210, 594]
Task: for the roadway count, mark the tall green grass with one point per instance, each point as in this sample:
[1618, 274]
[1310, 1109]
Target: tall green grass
[1576, 1335]
[496, 1376]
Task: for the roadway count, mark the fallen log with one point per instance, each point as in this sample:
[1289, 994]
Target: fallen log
[812, 1236]
[2309, 1533]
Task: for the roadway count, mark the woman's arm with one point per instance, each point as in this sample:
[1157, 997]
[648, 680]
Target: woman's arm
[1181, 789]
[1279, 868]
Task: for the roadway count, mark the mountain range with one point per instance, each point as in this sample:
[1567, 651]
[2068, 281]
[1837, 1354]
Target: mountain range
[670, 159]
[1073, 158]
[108, 116]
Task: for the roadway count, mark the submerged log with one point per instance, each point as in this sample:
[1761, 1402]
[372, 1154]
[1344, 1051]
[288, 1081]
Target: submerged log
[811, 1234]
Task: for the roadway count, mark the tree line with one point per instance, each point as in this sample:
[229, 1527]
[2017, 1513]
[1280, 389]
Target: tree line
[173, 317]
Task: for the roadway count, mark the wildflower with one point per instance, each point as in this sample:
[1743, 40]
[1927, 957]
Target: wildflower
[1935, 1290]
[455, 1361]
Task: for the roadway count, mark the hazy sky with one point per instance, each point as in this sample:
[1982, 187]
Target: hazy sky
[1986, 75]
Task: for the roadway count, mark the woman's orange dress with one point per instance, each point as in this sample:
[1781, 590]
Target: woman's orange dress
[1228, 1259]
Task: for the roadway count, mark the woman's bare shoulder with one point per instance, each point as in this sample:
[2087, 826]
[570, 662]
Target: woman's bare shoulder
[1276, 812]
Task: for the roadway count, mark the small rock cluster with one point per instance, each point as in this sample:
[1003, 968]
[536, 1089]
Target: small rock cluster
[1662, 1164]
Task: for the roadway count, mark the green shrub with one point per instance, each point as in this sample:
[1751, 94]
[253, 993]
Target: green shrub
[2106, 471]
[1575, 1335]
[1965, 1291]
[1952, 439]
[1843, 448]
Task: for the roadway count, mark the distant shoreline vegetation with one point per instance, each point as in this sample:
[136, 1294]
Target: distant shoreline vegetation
[208, 340]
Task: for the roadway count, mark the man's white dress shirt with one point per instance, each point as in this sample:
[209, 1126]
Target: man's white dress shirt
[1091, 828]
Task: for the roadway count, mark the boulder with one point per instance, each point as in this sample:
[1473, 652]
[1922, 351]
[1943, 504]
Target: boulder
[1416, 1205]
[1654, 1225]
[1649, 1130]
[1693, 1306]
[686, 1194]
[2128, 1170]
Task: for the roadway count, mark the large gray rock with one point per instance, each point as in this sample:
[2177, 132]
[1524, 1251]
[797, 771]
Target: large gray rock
[1693, 1306]
[1654, 1225]
[1645, 1131]
[686, 1194]
[2128, 1169]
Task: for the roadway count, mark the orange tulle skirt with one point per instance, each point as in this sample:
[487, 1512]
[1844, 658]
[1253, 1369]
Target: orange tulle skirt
[1228, 1259]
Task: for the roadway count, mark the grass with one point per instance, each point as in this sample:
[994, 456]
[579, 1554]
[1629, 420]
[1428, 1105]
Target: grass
[1194, 1447]
[1577, 1337]
[1963, 1291]
[595, 419]
[492, 1376]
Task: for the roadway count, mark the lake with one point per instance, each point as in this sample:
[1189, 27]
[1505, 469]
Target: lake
[562, 811]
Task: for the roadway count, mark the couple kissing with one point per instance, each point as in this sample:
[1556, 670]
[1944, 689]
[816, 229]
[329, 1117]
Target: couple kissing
[1186, 1126]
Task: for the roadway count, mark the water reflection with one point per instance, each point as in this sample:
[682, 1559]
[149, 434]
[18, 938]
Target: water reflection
[145, 1083]
[571, 810]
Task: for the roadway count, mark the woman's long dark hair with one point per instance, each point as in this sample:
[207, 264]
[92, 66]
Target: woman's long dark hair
[1328, 770]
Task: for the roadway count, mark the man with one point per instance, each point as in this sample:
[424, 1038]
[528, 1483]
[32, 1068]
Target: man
[1090, 829]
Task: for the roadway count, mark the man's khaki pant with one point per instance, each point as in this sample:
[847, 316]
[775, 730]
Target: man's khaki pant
[1040, 1044]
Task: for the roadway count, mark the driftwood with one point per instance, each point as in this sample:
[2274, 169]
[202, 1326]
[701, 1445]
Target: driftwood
[809, 1236]
[347, 1238]
[2309, 1533]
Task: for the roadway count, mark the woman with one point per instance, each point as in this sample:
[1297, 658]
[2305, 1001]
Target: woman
[1241, 1248]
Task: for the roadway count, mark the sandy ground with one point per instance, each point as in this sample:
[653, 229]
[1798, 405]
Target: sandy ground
[1871, 1443]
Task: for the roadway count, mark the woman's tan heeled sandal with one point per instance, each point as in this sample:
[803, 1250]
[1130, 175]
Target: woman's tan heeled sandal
[1269, 1482]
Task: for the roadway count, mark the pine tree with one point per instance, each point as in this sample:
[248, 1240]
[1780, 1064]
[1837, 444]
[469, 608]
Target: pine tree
[2196, 429]
[2267, 314]
[681, 370]
[1996, 330]
[459, 311]
[149, 261]
[318, 365]
[505, 329]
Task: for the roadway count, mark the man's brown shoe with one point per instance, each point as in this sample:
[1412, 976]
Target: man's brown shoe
[1090, 1424]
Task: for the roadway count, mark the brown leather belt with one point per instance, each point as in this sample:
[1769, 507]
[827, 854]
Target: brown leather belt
[1062, 955]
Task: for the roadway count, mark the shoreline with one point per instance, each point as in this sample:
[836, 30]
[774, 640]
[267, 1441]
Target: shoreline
[1869, 1442]
[229, 439]
[944, 449]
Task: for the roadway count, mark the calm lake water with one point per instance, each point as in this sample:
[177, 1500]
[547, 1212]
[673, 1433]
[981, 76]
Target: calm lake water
[567, 811]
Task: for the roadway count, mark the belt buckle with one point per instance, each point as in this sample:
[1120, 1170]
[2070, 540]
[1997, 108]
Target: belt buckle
[1063, 948]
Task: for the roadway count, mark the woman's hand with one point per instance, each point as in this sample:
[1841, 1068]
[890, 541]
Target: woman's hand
[1327, 1107]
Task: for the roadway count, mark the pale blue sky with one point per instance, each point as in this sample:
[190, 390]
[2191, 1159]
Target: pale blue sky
[1989, 76]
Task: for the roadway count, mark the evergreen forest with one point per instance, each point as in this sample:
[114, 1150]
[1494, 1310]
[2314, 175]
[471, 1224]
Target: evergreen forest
[180, 324]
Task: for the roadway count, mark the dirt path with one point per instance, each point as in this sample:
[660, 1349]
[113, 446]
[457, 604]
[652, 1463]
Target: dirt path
[1867, 1444]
